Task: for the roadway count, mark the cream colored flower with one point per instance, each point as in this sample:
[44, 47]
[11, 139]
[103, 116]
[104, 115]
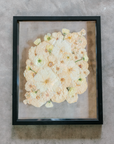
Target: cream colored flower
[80, 80]
[30, 85]
[28, 68]
[85, 72]
[60, 95]
[60, 48]
[73, 70]
[82, 52]
[65, 79]
[47, 95]
[49, 48]
[52, 41]
[49, 104]
[73, 46]
[59, 67]
[75, 35]
[81, 42]
[76, 57]
[37, 41]
[33, 94]
[82, 64]
[65, 31]
[67, 57]
[85, 58]
[51, 61]
[57, 35]
[29, 75]
[72, 99]
[75, 51]
[26, 101]
[37, 102]
[82, 32]
[31, 65]
[72, 94]
[81, 88]
[57, 51]
[69, 37]
[41, 49]
[39, 61]
[27, 95]
[45, 79]
[72, 91]
[32, 53]
[47, 37]
[66, 46]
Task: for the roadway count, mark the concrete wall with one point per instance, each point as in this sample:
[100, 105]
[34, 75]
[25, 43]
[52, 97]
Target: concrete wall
[56, 134]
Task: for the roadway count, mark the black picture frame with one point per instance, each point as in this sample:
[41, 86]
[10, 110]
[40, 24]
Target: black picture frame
[15, 120]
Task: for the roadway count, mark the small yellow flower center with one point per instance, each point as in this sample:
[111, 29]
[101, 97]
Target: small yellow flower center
[50, 64]
[62, 79]
[61, 50]
[46, 50]
[34, 74]
[69, 37]
[57, 68]
[58, 93]
[62, 61]
[37, 97]
[47, 81]
[47, 94]
[30, 86]
[31, 63]
[70, 69]
[73, 52]
[84, 72]
[80, 66]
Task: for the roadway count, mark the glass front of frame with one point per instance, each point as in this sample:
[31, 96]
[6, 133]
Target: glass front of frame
[86, 106]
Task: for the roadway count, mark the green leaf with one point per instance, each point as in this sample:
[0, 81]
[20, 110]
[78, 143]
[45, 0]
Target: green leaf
[33, 71]
[78, 60]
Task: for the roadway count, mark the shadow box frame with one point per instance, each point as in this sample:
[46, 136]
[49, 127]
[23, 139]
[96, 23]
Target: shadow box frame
[89, 121]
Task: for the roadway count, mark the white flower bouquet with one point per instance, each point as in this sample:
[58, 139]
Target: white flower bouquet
[56, 69]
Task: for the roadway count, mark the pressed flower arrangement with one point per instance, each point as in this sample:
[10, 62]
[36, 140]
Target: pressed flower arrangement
[56, 69]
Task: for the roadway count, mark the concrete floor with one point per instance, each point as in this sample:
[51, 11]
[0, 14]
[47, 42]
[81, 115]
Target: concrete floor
[56, 134]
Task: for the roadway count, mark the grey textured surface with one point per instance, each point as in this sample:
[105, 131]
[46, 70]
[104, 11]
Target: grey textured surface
[56, 134]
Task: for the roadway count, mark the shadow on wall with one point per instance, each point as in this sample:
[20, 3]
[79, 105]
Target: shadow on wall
[56, 132]
[91, 50]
